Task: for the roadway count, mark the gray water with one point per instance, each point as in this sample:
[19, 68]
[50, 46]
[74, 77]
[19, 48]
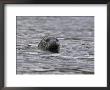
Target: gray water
[76, 37]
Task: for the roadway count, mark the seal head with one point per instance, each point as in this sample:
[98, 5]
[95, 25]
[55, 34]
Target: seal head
[49, 43]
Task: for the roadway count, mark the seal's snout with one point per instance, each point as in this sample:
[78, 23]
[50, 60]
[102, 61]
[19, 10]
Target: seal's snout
[50, 43]
[54, 48]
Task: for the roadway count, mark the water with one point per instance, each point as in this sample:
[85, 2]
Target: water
[76, 37]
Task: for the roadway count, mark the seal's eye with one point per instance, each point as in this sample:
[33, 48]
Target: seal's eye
[47, 40]
[57, 40]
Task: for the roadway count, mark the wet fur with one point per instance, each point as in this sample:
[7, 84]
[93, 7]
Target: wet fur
[49, 43]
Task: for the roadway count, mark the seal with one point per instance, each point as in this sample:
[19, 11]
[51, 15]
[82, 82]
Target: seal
[49, 43]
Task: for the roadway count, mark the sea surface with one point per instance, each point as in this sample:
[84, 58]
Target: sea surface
[76, 37]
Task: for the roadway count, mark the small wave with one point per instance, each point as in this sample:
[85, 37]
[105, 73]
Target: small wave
[51, 55]
[61, 38]
[32, 52]
[66, 57]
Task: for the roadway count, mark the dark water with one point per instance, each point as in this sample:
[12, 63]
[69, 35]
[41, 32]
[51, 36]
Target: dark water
[76, 36]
